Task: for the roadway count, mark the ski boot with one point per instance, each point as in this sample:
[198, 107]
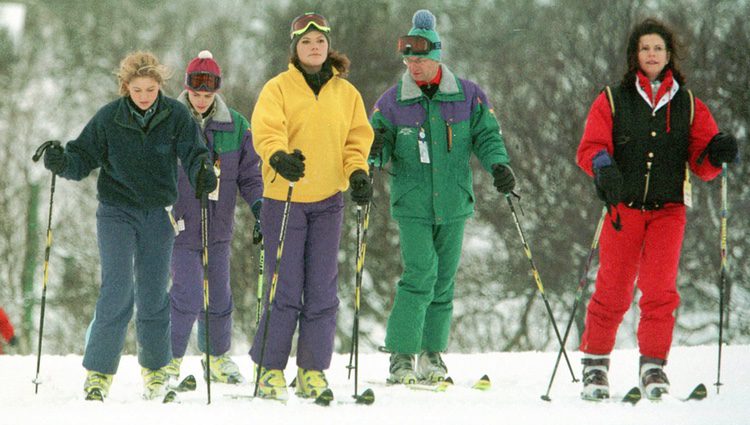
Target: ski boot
[310, 383]
[653, 380]
[402, 369]
[272, 385]
[173, 368]
[223, 370]
[154, 383]
[595, 382]
[97, 385]
[431, 368]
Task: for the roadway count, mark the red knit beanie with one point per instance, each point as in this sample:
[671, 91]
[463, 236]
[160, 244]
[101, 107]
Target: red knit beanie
[204, 63]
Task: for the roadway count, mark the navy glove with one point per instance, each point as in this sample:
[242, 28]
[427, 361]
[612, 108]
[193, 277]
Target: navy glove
[205, 182]
[361, 187]
[257, 234]
[607, 179]
[722, 148]
[377, 143]
[55, 159]
[290, 166]
[505, 180]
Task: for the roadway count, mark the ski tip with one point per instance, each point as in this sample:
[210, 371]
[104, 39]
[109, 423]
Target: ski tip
[169, 397]
[699, 393]
[483, 384]
[633, 396]
[294, 383]
[325, 398]
[367, 397]
[448, 380]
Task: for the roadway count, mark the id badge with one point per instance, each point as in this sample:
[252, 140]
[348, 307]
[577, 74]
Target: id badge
[424, 151]
[214, 196]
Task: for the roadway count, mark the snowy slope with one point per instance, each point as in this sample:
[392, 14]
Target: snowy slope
[518, 381]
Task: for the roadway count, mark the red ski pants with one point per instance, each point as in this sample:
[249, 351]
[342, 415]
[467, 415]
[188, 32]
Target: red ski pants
[647, 248]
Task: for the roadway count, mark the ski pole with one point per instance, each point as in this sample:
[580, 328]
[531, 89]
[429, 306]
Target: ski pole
[579, 295]
[274, 281]
[38, 154]
[723, 270]
[539, 285]
[355, 324]
[204, 241]
[361, 252]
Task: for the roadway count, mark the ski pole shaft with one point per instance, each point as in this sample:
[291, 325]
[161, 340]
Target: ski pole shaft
[579, 295]
[356, 293]
[259, 293]
[204, 241]
[48, 247]
[723, 270]
[274, 281]
[539, 285]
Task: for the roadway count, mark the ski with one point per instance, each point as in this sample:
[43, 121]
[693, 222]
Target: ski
[482, 384]
[187, 384]
[633, 396]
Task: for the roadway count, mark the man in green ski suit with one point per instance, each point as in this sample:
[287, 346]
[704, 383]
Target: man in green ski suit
[427, 126]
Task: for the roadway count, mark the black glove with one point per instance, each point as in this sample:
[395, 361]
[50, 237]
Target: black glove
[377, 143]
[290, 166]
[505, 180]
[257, 234]
[13, 341]
[361, 187]
[722, 148]
[55, 159]
[608, 181]
[205, 182]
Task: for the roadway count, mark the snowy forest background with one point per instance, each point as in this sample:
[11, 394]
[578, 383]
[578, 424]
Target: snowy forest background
[541, 63]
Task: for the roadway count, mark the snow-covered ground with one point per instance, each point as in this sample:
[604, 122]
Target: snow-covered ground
[519, 379]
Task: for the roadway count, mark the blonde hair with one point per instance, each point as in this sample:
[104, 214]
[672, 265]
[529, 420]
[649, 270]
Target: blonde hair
[141, 64]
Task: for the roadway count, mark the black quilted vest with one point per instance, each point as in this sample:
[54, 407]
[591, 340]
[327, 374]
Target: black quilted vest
[651, 160]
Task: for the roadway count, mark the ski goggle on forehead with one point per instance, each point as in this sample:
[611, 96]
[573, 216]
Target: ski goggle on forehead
[416, 45]
[202, 81]
[302, 23]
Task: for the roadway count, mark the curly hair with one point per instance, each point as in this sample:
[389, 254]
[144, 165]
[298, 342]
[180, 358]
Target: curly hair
[653, 26]
[140, 64]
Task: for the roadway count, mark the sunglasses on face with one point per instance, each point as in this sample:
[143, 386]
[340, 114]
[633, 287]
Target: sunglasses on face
[202, 81]
[416, 45]
[302, 23]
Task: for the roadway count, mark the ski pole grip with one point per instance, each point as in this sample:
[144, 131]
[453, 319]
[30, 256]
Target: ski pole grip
[43, 147]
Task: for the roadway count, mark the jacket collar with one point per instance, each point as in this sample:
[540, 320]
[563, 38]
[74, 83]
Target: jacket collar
[124, 118]
[447, 91]
[221, 110]
[666, 91]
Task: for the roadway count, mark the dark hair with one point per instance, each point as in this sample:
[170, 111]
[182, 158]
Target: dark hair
[653, 26]
[338, 60]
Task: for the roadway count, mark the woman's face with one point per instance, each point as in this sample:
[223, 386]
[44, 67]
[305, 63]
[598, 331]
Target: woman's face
[143, 91]
[201, 100]
[652, 55]
[312, 50]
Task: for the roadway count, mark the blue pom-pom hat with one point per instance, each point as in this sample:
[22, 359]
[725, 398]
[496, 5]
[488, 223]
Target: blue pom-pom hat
[423, 25]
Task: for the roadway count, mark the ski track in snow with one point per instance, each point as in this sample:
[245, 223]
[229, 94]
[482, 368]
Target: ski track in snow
[518, 381]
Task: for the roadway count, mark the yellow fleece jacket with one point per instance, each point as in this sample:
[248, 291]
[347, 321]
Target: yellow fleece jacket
[331, 130]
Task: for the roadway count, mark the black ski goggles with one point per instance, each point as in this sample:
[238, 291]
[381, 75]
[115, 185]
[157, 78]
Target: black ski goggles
[202, 81]
[416, 45]
[302, 23]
